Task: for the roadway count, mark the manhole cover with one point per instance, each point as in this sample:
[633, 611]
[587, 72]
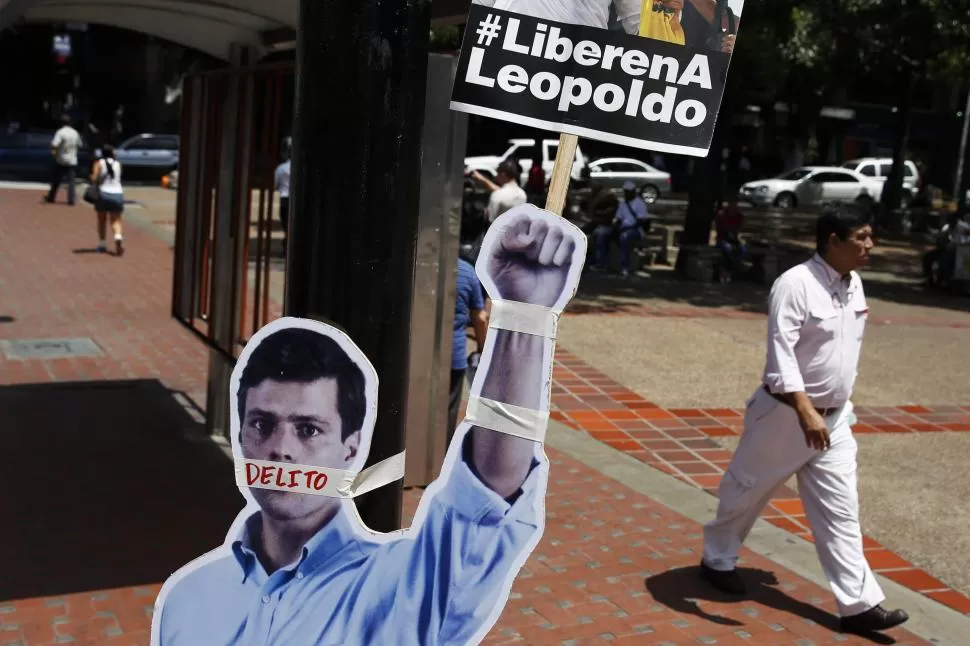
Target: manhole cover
[50, 348]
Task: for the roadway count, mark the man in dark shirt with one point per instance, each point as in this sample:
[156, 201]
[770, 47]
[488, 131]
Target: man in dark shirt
[728, 223]
[469, 310]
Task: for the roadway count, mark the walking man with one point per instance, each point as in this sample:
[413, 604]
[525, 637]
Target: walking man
[64, 149]
[799, 422]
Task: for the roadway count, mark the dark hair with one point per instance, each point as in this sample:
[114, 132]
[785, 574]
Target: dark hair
[510, 167]
[66, 119]
[841, 220]
[304, 356]
[108, 152]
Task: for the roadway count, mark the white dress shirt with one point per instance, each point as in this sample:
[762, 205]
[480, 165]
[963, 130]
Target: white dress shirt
[816, 321]
[593, 13]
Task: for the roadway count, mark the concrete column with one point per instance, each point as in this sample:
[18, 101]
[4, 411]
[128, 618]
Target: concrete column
[360, 94]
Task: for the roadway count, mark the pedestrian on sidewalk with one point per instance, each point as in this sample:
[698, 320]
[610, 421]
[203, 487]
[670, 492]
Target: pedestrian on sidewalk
[64, 147]
[798, 422]
[111, 198]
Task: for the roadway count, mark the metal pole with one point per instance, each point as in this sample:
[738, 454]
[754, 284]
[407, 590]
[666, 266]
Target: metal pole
[356, 170]
[958, 180]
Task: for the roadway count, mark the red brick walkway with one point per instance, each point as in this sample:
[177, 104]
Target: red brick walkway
[613, 566]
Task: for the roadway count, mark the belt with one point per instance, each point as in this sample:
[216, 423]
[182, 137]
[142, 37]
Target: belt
[824, 412]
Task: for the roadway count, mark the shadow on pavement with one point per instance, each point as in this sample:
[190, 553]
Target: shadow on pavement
[895, 282]
[912, 293]
[105, 485]
[604, 293]
[680, 590]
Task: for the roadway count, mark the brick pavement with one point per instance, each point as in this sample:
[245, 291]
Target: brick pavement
[53, 285]
[613, 566]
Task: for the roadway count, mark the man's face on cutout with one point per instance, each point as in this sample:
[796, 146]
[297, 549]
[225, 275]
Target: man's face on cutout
[299, 423]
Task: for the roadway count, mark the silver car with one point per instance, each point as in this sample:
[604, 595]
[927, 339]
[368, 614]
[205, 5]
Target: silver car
[149, 151]
[614, 172]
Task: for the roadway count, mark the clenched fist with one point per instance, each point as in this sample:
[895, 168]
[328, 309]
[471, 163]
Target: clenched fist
[532, 256]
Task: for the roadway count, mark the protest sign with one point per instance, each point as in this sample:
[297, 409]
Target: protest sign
[654, 82]
[298, 565]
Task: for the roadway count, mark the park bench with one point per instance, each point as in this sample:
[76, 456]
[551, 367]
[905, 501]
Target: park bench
[769, 260]
[703, 262]
[652, 249]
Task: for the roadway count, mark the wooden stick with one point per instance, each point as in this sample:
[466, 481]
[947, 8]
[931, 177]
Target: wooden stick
[562, 173]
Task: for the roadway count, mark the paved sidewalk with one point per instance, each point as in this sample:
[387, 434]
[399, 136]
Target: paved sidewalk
[134, 492]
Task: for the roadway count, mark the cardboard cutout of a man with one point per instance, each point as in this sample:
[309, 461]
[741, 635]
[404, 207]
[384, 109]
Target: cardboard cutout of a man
[299, 569]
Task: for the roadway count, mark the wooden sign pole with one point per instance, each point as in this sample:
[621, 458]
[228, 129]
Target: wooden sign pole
[562, 173]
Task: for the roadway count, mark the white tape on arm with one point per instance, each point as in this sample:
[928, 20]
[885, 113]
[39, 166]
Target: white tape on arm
[523, 317]
[318, 481]
[506, 418]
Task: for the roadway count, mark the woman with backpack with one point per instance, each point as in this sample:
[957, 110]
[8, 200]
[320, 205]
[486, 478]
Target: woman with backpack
[110, 201]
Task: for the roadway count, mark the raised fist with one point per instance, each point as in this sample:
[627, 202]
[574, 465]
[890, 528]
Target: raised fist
[530, 256]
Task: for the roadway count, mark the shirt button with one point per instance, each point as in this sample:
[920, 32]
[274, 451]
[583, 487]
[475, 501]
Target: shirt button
[299, 575]
[265, 598]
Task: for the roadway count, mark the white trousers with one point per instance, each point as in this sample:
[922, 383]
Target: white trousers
[771, 450]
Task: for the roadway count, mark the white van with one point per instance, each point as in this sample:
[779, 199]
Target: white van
[526, 151]
[879, 168]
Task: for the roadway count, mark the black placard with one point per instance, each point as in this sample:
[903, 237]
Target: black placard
[596, 83]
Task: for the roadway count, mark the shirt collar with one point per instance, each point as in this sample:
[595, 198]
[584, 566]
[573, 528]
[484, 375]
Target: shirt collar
[828, 274]
[328, 540]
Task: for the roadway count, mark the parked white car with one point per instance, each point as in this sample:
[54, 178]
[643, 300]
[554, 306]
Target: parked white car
[526, 151]
[879, 168]
[614, 172]
[810, 185]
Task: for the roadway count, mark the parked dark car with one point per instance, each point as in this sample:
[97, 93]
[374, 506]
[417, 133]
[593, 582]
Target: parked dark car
[27, 156]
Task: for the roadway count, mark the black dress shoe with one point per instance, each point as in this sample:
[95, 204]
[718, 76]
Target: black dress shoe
[729, 581]
[873, 620]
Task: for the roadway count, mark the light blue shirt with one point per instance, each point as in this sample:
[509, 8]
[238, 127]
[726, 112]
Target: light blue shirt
[631, 213]
[282, 177]
[434, 587]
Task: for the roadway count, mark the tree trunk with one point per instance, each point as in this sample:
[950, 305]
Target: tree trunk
[705, 183]
[892, 191]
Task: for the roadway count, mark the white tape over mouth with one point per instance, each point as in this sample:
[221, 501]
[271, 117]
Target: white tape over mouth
[524, 317]
[506, 418]
[318, 481]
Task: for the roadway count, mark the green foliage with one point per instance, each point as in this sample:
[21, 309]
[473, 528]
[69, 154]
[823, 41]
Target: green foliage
[444, 38]
[834, 44]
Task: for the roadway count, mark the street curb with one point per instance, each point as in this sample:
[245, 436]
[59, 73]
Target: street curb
[929, 619]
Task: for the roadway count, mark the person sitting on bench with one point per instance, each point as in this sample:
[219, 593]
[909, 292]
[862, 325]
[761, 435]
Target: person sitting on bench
[727, 224]
[631, 215]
